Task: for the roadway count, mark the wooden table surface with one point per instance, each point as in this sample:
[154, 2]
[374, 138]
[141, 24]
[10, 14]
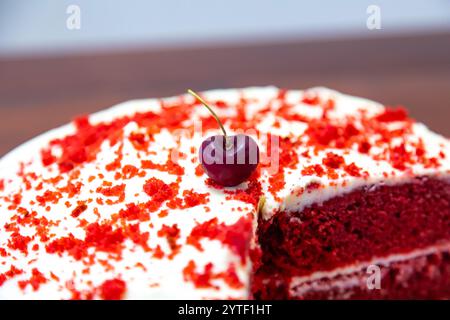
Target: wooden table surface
[41, 93]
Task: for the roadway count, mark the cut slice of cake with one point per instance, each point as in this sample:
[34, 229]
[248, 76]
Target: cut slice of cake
[351, 199]
[363, 206]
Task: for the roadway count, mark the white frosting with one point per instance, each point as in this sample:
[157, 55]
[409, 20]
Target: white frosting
[163, 278]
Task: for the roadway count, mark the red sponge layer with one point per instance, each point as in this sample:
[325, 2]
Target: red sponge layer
[357, 227]
[423, 277]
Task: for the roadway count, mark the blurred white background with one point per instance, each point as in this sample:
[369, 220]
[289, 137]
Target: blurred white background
[30, 27]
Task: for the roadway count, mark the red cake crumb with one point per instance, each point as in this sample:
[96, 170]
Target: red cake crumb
[129, 171]
[170, 166]
[322, 133]
[333, 160]
[49, 197]
[190, 199]
[231, 278]
[172, 234]
[19, 242]
[199, 170]
[351, 131]
[163, 213]
[79, 295]
[312, 170]
[79, 210]
[139, 141]
[393, 114]
[287, 159]
[37, 278]
[158, 190]
[158, 253]
[134, 212]
[364, 147]
[282, 94]
[113, 289]
[211, 183]
[200, 279]
[236, 236]
[204, 279]
[311, 99]
[134, 233]
[313, 186]
[47, 157]
[17, 199]
[353, 170]
[102, 237]
[249, 195]
[285, 111]
[116, 163]
[72, 189]
[11, 273]
[112, 191]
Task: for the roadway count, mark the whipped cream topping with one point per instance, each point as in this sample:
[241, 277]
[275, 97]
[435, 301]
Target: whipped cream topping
[117, 205]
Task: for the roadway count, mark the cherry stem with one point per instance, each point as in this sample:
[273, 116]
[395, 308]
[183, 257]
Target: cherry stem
[210, 110]
[261, 202]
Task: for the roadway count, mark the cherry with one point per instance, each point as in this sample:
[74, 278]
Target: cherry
[228, 160]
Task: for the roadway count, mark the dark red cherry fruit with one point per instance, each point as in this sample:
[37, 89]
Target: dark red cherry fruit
[229, 160]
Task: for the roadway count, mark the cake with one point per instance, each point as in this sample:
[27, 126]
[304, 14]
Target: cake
[350, 200]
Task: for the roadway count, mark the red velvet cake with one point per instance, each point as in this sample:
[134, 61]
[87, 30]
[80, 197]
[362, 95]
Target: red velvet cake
[329, 250]
[350, 200]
